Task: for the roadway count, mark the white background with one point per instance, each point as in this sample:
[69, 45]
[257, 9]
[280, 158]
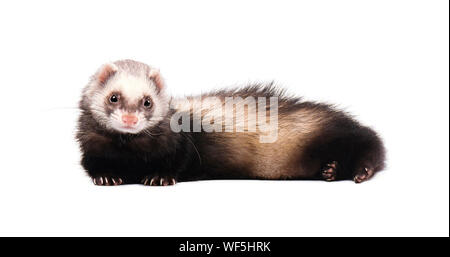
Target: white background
[386, 62]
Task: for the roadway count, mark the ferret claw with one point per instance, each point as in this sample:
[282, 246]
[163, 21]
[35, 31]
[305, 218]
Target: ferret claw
[158, 181]
[107, 181]
[117, 181]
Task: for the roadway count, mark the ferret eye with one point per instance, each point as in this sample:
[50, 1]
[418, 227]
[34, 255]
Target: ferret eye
[114, 99]
[147, 103]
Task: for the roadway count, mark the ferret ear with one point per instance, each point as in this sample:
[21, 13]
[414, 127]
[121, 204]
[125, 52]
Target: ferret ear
[105, 72]
[156, 77]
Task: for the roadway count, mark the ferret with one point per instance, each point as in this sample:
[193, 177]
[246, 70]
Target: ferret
[127, 134]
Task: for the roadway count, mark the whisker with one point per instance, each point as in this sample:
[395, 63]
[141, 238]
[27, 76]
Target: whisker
[195, 147]
[61, 108]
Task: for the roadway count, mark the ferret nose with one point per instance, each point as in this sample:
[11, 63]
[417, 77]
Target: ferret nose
[129, 119]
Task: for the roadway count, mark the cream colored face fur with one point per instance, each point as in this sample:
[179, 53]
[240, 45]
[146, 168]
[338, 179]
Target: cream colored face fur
[132, 90]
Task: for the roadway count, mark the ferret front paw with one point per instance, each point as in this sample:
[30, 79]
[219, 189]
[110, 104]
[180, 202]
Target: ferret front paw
[107, 181]
[329, 172]
[158, 181]
[363, 175]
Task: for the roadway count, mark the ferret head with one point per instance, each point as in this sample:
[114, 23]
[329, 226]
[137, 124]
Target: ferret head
[126, 96]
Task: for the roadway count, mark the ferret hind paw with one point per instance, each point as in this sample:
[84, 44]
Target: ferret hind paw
[363, 174]
[329, 172]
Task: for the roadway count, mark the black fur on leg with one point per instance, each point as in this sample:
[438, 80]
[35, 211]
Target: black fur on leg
[356, 148]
